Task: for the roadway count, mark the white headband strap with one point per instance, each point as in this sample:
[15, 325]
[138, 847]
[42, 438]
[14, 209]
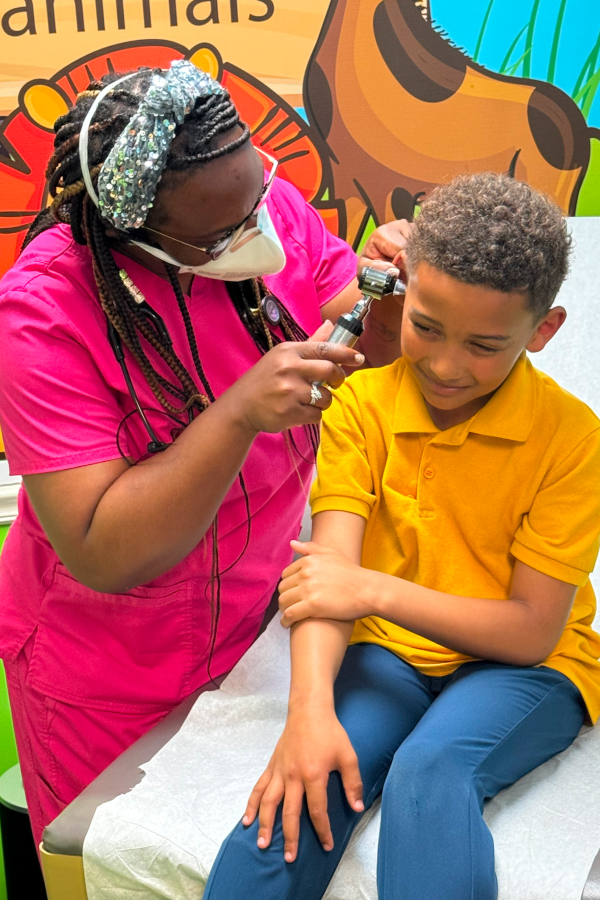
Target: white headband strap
[85, 134]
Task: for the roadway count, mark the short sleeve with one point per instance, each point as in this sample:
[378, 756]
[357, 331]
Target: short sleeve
[332, 262]
[559, 536]
[57, 410]
[344, 478]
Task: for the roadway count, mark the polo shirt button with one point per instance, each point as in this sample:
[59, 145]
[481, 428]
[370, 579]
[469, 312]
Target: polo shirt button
[428, 473]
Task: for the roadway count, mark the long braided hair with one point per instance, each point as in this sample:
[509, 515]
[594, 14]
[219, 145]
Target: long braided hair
[196, 143]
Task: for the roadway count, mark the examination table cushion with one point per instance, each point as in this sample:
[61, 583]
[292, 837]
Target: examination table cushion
[161, 838]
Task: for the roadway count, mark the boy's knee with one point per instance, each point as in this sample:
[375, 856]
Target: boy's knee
[424, 769]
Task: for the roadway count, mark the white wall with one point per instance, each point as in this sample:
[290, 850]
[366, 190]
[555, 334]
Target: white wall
[572, 358]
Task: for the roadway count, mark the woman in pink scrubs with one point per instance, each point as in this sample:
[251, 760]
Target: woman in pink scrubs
[156, 395]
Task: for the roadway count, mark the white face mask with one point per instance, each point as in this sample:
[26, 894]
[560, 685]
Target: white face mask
[255, 252]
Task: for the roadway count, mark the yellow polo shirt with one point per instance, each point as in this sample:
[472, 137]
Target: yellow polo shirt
[452, 510]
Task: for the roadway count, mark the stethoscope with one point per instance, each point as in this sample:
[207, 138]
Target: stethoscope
[155, 445]
[270, 310]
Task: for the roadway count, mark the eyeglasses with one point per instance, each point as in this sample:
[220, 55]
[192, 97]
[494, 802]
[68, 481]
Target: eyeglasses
[224, 243]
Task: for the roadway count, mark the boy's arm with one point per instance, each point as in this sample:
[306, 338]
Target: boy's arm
[313, 742]
[555, 547]
[520, 631]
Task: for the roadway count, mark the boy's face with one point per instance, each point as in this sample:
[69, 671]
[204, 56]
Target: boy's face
[461, 340]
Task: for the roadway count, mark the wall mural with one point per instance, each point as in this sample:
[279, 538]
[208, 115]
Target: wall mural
[368, 104]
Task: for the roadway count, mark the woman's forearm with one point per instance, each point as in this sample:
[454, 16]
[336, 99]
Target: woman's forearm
[153, 514]
[116, 526]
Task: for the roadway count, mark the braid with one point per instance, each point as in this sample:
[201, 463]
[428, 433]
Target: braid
[72, 205]
[189, 329]
[195, 144]
[69, 192]
[246, 297]
[116, 300]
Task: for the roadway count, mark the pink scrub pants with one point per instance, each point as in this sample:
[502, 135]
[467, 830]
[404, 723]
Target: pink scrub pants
[62, 748]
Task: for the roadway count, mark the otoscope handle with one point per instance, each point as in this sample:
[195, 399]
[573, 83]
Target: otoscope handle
[347, 331]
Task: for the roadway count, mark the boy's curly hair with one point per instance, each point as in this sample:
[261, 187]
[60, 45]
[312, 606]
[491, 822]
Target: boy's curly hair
[495, 231]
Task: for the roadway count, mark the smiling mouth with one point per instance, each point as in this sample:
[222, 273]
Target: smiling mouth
[444, 390]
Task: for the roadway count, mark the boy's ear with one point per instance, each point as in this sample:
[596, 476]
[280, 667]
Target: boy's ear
[400, 262]
[546, 329]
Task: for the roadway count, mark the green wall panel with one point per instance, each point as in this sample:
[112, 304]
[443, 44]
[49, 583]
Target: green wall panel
[8, 750]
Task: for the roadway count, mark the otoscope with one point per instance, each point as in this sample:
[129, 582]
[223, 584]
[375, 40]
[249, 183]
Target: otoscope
[373, 284]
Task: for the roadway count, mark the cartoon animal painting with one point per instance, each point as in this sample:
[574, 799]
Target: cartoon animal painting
[26, 136]
[402, 110]
[394, 109]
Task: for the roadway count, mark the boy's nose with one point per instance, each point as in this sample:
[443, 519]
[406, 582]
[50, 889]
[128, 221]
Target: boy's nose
[447, 369]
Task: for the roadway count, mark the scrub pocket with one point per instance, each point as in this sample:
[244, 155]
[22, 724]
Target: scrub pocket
[124, 652]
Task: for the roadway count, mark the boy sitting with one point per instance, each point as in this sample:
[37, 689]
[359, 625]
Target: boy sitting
[456, 521]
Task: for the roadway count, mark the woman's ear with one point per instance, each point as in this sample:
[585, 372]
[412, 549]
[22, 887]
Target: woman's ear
[546, 329]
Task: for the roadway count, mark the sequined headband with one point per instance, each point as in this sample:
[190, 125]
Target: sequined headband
[129, 176]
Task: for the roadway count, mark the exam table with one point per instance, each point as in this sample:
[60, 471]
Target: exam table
[62, 847]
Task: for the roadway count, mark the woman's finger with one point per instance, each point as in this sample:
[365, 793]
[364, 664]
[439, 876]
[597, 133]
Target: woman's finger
[290, 817]
[255, 797]
[322, 371]
[320, 395]
[272, 797]
[381, 245]
[336, 353]
[323, 331]
[387, 240]
[352, 781]
[316, 798]
[382, 265]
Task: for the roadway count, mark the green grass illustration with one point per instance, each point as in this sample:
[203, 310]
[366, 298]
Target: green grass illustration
[486, 18]
[504, 66]
[529, 39]
[555, 41]
[588, 81]
[583, 93]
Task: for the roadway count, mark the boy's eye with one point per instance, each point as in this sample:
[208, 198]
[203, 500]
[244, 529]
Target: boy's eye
[486, 349]
[424, 328]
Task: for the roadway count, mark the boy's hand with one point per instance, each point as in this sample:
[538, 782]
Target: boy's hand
[324, 584]
[312, 745]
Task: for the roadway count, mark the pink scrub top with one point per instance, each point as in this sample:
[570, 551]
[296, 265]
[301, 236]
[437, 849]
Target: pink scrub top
[62, 400]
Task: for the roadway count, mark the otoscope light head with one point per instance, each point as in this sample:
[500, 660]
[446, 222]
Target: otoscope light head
[375, 283]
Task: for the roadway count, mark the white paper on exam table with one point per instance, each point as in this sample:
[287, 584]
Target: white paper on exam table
[161, 839]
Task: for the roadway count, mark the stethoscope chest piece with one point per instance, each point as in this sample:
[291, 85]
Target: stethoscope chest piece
[270, 309]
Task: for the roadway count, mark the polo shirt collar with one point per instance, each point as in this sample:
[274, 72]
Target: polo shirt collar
[508, 414]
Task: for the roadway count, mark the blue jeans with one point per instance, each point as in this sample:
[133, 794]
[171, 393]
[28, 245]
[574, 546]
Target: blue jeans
[437, 748]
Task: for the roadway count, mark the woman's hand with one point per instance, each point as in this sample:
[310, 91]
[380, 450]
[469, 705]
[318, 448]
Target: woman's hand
[384, 250]
[312, 745]
[275, 394]
[386, 245]
[324, 584]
